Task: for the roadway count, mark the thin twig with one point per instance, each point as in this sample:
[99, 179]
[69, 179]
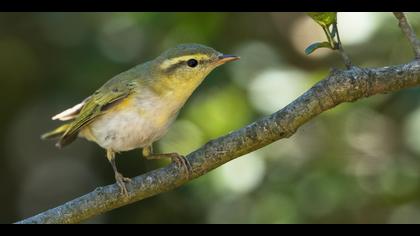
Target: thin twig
[409, 32]
[337, 88]
[344, 56]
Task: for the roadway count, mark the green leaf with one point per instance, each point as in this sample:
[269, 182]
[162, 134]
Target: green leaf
[324, 18]
[314, 46]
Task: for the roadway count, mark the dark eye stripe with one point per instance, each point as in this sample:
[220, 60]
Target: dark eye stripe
[174, 66]
[183, 63]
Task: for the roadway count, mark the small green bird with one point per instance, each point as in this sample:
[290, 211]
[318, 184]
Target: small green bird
[135, 108]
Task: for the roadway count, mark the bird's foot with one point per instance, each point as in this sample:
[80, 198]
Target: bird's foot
[181, 162]
[121, 180]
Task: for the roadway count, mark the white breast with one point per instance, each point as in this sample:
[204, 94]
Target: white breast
[136, 127]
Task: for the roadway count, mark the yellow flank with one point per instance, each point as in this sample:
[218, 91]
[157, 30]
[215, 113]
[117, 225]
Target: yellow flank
[169, 62]
[86, 132]
[123, 104]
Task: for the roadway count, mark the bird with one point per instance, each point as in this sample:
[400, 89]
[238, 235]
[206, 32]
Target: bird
[135, 108]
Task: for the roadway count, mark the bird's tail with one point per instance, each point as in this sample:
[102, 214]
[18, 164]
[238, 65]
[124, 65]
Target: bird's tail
[56, 133]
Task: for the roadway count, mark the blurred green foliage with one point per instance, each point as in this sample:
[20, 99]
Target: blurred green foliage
[358, 163]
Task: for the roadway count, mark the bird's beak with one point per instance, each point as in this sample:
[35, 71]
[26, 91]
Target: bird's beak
[226, 58]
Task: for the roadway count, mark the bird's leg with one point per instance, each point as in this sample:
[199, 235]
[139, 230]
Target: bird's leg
[179, 160]
[147, 151]
[120, 179]
[149, 155]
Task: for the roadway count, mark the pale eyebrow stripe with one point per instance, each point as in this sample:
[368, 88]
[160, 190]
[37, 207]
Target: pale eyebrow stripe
[169, 62]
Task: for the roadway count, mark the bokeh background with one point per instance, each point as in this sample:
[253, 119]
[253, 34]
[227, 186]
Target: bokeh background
[358, 163]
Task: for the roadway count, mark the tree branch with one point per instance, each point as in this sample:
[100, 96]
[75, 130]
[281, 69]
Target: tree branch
[339, 87]
[409, 32]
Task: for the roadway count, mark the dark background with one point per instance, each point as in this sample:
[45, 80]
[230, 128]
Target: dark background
[358, 163]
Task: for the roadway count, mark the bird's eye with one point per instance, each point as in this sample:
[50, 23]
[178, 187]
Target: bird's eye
[192, 62]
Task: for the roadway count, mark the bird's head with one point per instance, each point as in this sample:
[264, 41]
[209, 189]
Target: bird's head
[185, 66]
